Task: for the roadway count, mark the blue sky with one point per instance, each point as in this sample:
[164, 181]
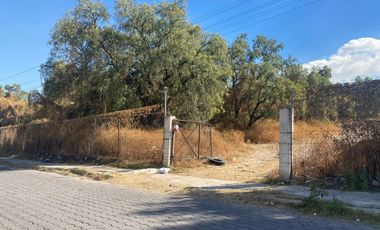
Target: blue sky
[313, 33]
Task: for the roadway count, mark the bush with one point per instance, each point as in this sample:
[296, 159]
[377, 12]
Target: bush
[360, 151]
[357, 182]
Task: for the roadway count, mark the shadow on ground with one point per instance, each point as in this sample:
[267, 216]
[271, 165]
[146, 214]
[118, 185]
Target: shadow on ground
[192, 212]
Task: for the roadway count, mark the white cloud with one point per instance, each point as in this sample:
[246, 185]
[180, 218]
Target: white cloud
[357, 57]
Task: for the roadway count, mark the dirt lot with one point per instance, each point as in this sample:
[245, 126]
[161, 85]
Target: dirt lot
[252, 163]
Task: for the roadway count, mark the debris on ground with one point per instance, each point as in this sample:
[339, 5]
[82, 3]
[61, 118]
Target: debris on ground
[163, 170]
[216, 161]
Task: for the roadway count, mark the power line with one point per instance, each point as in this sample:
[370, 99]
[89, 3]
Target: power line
[273, 16]
[17, 74]
[243, 14]
[270, 17]
[257, 14]
[221, 10]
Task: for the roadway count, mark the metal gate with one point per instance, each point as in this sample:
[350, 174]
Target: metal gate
[191, 140]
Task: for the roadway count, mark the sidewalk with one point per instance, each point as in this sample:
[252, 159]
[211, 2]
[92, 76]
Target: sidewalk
[366, 201]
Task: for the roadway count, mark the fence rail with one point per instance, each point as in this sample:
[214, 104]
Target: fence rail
[192, 139]
[108, 137]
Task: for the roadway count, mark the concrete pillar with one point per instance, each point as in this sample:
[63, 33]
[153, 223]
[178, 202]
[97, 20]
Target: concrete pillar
[168, 130]
[286, 143]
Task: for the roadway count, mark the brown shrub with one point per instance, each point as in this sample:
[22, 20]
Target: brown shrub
[315, 153]
[329, 150]
[125, 138]
[267, 131]
[315, 158]
[220, 144]
[118, 136]
[360, 148]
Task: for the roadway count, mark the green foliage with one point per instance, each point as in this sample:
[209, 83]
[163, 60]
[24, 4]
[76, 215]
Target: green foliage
[361, 79]
[14, 90]
[316, 193]
[324, 208]
[103, 67]
[98, 65]
[357, 182]
[313, 204]
[262, 80]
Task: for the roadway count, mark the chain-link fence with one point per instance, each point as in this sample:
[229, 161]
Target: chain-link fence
[107, 137]
[336, 133]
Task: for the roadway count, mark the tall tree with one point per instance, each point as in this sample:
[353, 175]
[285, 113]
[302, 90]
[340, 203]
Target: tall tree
[102, 67]
[255, 85]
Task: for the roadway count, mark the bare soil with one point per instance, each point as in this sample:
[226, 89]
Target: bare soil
[252, 163]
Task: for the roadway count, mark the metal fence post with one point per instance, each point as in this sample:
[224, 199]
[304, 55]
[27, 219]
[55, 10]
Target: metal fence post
[168, 135]
[286, 143]
[118, 139]
[199, 139]
[211, 140]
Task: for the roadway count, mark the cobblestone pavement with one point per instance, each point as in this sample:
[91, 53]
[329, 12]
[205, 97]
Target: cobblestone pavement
[39, 200]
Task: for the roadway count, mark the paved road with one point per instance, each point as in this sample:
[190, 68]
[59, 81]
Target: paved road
[40, 200]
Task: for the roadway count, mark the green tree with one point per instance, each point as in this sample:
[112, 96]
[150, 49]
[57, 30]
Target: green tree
[78, 69]
[104, 67]
[361, 79]
[319, 103]
[16, 91]
[256, 87]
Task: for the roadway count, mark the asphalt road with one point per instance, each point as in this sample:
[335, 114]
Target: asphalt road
[40, 200]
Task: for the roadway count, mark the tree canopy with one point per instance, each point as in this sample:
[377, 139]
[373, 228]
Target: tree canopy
[103, 67]
[99, 65]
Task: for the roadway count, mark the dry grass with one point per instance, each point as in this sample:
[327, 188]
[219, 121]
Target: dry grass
[329, 150]
[267, 131]
[315, 153]
[359, 147]
[99, 139]
[263, 132]
[222, 144]
[93, 175]
[95, 139]
[19, 106]
[315, 159]
[251, 163]
[13, 111]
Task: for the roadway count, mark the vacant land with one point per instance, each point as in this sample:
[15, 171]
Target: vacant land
[252, 163]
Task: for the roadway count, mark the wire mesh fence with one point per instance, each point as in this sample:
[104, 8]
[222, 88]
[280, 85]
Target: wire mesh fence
[107, 137]
[336, 132]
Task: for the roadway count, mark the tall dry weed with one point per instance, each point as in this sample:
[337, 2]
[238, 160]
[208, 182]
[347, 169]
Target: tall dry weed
[219, 144]
[267, 131]
[315, 153]
[134, 139]
[360, 148]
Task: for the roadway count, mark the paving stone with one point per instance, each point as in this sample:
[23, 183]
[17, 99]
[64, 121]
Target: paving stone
[39, 200]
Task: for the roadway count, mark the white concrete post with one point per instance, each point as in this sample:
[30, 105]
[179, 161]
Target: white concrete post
[286, 143]
[168, 130]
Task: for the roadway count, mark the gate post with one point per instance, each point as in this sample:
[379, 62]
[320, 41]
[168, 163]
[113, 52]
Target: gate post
[286, 143]
[168, 140]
